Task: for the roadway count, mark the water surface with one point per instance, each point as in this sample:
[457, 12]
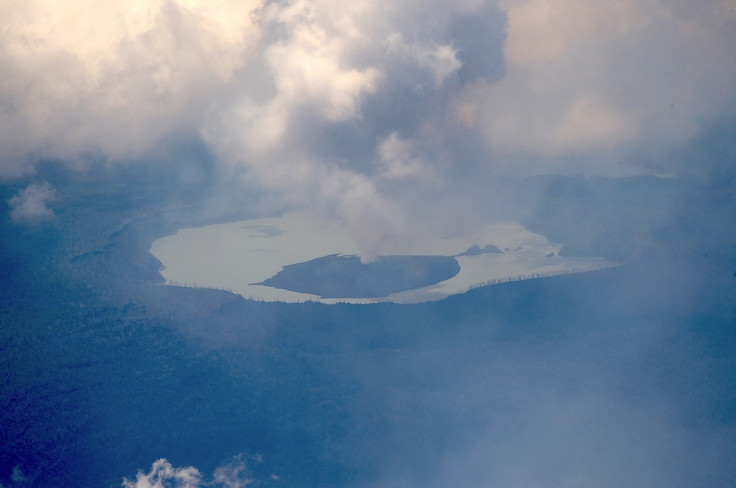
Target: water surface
[237, 256]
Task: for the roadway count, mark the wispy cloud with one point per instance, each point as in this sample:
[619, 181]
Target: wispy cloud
[31, 203]
[233, 474]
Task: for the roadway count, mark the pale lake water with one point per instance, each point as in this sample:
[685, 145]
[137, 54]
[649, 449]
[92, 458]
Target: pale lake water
[233, 256]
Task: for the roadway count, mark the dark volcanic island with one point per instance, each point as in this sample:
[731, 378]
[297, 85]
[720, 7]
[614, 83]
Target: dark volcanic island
[340, 276]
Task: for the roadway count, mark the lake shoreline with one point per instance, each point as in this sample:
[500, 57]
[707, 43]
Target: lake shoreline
[243, 256]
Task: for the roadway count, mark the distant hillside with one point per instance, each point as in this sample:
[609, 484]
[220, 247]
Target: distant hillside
[475, 250]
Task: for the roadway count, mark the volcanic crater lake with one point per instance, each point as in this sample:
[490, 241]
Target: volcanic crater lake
[298, 257]
[338, 276]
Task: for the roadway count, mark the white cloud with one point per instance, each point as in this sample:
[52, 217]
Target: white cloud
[31, 203]
[309, 70]
[306, 98]
[264, 83]
[584, 77]
[164, 475]
[232, 474]
[84, 78]
[546, 31]
[259, 78]
[440, 60]
[399, 159]
[319, 64]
